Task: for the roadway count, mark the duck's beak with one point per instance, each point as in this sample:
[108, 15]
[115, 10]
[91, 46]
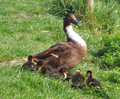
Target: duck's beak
[76, 23]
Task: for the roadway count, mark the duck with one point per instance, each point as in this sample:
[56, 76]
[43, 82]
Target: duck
[61, 72]
[30, 63]
[78, 79]
[92, 82]
[67, 53]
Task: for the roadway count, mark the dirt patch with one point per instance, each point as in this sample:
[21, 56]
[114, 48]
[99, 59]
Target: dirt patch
[23, 15]
[15, 61]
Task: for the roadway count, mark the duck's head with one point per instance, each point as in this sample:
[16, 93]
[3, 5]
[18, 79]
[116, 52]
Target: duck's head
[89, 73]
[78, 71]
[38, 66]
[70, 19]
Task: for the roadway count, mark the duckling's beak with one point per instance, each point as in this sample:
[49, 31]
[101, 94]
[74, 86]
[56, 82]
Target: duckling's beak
[76, 23]
[39, 68]
[65, 75]
[34, 68]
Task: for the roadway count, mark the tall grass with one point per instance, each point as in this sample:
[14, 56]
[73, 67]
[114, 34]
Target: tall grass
[105, 17]
[104, 20]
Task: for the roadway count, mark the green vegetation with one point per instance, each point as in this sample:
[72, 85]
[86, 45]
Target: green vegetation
[103, 22]
[29, 27]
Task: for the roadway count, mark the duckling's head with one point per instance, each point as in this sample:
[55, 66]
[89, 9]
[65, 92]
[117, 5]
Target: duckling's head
[29, 63]
[89, 73]
[78, 71]
[30, 58]
[39, 65]
[64, 71]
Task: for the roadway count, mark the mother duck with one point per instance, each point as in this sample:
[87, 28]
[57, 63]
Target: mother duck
[68, 53]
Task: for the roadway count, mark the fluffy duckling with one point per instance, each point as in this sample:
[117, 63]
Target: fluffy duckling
[91, 82]
[61, 73]
[49, 71]
[78, 79]
[69, 76]
[30, 63]
[40, 66]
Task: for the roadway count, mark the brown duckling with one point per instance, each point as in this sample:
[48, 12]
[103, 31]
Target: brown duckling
[40, 66]
[50, 71]
[78, 79]
[92, 82]
[69, 75]
[61, 72]
[30, 63]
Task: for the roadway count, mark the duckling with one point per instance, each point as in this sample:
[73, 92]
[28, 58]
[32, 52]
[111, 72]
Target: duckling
[50, 71]
[61, 73]
[78, 79]
[91, 82]
[30, 63]
[40, 66]
[69, 76]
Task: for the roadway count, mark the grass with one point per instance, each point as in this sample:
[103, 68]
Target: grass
[29, 27]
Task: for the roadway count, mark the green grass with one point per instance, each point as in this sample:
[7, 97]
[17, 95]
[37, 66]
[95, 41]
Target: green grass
[29, 27]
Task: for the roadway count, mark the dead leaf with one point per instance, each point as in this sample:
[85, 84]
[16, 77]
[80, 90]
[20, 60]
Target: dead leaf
[24, 58]
[44, 31]
[23, 15]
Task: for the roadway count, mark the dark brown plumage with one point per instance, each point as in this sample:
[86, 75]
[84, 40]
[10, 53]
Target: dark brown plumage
[69, 76]
[30, 63]
[68, 53]
[92, 82]
[41, 67]
[61, 73]
[50, 71]
[78, 79]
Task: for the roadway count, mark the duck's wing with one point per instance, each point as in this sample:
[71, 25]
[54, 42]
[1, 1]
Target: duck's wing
[54, 51]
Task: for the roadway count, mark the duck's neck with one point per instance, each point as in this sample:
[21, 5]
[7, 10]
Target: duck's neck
[72, 35]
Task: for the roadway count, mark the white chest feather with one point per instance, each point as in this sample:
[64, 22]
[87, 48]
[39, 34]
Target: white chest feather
[74, 36]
